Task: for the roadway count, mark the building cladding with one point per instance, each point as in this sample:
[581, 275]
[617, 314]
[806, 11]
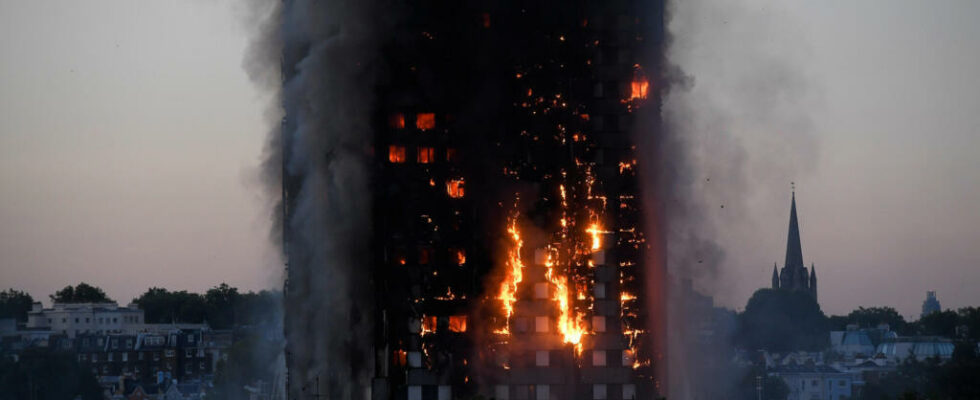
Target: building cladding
[506, 233]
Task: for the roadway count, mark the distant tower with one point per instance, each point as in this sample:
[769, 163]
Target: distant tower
[794, 275]
[931, 304]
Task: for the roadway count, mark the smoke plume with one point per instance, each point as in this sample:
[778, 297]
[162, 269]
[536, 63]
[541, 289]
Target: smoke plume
[320, 58]
[736, 130]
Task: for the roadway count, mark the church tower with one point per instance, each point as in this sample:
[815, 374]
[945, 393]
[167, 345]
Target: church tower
[794, 275]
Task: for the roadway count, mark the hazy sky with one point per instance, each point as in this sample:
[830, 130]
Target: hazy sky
[130, 138]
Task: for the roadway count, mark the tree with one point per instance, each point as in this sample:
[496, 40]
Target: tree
[970, 317]
[782, 320]
[873, 316]
[15, 304]
[42, 373]
[163, 306]
[221, 302]
[940, 323]
[262, 308]
[81, 293]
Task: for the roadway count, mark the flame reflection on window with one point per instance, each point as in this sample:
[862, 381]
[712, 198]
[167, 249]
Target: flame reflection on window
[425, 254]
[400, 358]
[397, 121]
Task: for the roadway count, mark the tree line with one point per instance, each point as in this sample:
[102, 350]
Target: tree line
[780, 320]
[222, 306]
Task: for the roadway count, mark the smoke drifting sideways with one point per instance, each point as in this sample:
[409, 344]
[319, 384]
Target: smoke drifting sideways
[327, 53]
[735, 126]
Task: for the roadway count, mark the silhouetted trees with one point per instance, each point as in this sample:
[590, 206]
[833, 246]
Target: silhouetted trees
[781, 320]
[931, 379]
[81, 293]
[221, 306]
[939, 323]
[872, 317]
[45, 374]
[161, 306]
[15, 304]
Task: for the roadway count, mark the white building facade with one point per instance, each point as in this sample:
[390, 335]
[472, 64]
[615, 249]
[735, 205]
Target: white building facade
[75, 318]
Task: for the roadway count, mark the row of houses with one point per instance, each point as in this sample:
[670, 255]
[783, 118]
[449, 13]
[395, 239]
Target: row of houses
[855, 358]
[130, 358]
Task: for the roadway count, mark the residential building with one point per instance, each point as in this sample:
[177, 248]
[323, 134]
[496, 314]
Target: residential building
[506, 254]
[75, 318]
[921, 347]
[814, 382]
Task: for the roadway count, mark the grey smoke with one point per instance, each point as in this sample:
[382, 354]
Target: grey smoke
[737, 129]
[330, 58]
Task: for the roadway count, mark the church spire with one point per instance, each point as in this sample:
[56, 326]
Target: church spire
[813, 281]
[775, 277]
[794, 251]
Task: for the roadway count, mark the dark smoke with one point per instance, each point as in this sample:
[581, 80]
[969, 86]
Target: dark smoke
[736, 122]
[320, 58]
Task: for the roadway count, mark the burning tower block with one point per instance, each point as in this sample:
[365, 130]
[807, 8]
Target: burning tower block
[493, 125]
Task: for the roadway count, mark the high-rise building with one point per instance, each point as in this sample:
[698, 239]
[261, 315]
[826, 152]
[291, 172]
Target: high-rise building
[931, 304]
[794, 275]
[507, 255]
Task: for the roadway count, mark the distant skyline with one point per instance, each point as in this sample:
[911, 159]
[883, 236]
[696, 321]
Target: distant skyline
[130, 139]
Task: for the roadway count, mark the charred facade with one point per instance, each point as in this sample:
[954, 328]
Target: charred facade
[506, 249]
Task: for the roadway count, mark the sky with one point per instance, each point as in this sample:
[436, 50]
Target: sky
[130, 138]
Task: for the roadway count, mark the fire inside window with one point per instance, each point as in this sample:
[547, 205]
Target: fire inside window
[457, 323]
[426, 155]
[451, 154]
[455, 188]
[639, 87]
[425, 121]
[397, 121]
[459, 256]
[429, 324]
[396, 154]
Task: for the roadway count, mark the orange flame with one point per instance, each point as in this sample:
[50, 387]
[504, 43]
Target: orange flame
[515, 274]
[594, 230]
[570, 325]
[639, 89]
